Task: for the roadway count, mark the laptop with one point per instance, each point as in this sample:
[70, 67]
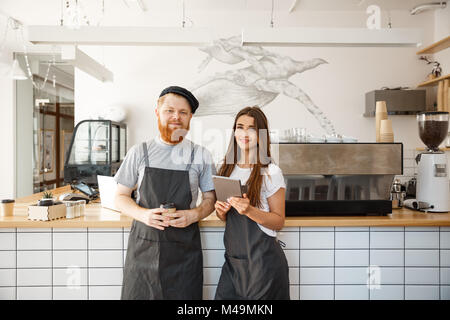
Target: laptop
[107, 187]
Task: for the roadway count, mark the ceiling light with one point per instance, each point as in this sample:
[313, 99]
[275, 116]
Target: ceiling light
[120, 36]
[140, 3]
[337, 37]
[428, 6]
[17, 72]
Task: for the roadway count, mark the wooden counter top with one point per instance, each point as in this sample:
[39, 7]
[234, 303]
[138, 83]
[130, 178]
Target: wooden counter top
[98, 217]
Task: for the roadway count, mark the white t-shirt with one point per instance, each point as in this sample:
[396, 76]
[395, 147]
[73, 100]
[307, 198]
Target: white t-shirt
[272, 182]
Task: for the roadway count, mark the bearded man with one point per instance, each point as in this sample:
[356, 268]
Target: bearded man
[164, 254]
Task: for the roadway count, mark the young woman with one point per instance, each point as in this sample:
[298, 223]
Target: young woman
[255, 265]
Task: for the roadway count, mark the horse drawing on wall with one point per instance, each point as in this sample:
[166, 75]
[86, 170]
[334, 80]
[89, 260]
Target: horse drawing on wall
[258, 84]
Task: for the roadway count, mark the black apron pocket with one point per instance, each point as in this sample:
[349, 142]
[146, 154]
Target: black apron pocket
[176, 261]
[240, 275]
[145, 232]
[140, 265]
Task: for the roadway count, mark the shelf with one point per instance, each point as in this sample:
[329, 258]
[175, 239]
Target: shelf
[393, 113]
[91, 163]
[88, 151]
[93, 140]
[441, 149]
[433, 82]
[436, 47]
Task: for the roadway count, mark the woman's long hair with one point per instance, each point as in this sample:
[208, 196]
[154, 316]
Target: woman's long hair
[263, 159]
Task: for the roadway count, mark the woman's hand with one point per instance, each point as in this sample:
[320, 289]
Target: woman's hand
[153, 218]
[242, 205]
[222, 209]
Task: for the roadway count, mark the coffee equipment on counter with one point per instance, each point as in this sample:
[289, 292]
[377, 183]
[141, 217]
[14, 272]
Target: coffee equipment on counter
[432, 175]
[416, 205]
[398, 194]
[338, 179]
[410, 187]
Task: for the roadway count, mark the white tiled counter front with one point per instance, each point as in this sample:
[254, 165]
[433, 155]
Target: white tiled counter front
[324, 262]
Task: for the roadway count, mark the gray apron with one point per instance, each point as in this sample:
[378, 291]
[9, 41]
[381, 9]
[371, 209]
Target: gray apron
[255, 265]
[163, 264]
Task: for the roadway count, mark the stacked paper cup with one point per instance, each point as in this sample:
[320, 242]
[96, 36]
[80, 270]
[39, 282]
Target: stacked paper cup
[383, 126]
[386, 133]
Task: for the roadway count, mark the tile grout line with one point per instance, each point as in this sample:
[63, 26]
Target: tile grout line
[370, 269]
[299, 262]
[51, 247]
[439, 261]
[334, 263]
[16, 264]
[404, 263]
[123, 242]
[87, 262]
[123, 257]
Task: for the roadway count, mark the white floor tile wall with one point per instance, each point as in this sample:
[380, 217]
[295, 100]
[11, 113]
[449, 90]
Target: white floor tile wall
[324, 262]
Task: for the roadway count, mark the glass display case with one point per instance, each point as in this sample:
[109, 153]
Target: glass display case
[98, 147]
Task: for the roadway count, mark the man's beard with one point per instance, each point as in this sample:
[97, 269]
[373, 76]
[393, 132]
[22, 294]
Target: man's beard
[172, 135]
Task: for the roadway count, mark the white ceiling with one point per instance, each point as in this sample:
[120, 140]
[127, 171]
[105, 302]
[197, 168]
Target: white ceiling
[48, 12]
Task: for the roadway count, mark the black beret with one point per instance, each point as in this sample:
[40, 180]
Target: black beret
[182, 92]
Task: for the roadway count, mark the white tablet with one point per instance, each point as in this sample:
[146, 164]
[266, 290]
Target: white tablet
[227, 187]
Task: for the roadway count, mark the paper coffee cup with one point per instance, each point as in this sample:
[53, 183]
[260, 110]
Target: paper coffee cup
[7, 208]
[169, 206]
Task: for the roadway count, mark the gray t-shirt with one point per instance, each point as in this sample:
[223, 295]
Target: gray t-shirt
[173, 157]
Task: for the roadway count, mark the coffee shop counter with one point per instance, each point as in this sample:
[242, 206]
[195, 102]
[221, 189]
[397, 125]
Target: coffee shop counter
[98, 217]
[405, 255]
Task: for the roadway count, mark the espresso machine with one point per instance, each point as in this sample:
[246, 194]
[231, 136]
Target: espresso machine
[432, 190]
[338, 179]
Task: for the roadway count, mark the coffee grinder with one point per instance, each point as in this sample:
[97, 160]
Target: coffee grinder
[432, 189]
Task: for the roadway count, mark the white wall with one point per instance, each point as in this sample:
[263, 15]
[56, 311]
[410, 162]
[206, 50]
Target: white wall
[442, 30]
[7, 127]
[24, 133]
[338, 88]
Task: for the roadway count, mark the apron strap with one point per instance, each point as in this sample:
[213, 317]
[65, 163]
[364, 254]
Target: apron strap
[144, 147]
[192, 157]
